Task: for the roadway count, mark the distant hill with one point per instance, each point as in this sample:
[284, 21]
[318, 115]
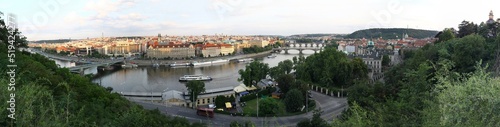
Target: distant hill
[52, 41]
[391, 33]
[317, 35]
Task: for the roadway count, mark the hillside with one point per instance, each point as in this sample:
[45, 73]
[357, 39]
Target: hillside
[40, 94]
[391, 33]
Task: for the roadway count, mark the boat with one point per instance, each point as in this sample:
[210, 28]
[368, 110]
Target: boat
[186, 78]
[195, 63]
[129, 65]
[179, 64]
[246, 60]
[220, 61]
[271, 56]
[156, 65]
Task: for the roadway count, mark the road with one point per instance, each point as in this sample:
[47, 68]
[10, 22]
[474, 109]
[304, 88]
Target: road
[330, 106]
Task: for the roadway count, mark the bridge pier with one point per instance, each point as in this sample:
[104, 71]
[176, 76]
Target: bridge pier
[286, 51]
[300, 51]
[315, 51]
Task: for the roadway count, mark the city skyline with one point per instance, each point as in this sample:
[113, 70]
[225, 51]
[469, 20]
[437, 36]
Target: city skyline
[63, 19]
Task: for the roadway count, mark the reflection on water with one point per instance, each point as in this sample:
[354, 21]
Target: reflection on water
[156, 80]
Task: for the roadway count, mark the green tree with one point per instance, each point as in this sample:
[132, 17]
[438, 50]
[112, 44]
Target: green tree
[268, 106]
[235, 124]
[386, 60]
[447, 34]
[195, 88]
[466, 28]
[220, 101]
[316, 120]
[253, 73]
[469, 102]
[294, 100]
[285, 82]
[286, 65]
[275, 72]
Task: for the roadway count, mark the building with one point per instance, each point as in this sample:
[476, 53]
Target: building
[208, 97]
[259, 43]
[210, 50]
[238, 46]
[173, 97]
[226, 49]
[171, 50]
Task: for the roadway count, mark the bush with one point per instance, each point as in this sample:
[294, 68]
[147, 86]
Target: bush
[248, 97]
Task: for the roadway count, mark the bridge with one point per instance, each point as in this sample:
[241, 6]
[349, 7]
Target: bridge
[80, 68]
[300, 47]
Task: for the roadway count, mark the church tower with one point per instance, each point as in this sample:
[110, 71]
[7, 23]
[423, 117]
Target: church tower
[159, 38]
[490, 20]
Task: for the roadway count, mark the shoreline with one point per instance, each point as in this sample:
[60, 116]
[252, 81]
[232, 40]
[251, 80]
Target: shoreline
[142, 63]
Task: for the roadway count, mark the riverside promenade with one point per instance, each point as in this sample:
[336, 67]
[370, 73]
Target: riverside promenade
[145, 62]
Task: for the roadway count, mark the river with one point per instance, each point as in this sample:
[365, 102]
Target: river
[155, 80]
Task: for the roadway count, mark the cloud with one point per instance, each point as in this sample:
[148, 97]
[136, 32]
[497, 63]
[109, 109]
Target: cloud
[104, 7]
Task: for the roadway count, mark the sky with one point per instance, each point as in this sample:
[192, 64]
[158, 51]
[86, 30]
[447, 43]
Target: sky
[79, 19]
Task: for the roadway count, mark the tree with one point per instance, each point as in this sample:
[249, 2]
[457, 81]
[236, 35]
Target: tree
[195, 88]
[220, 101]
[275, 72]
[446, 34]
[385, 60]
[316, 120]
[286, 65]
[466, 28]
[472, 101]
[268, 106]
[253, 73]
[235, 124]
[285, 82]
[294, 100]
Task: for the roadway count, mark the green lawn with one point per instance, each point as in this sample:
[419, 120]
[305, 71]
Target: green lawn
[251, 109]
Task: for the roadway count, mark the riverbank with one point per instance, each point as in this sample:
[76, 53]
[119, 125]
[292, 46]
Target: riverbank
[165, 62]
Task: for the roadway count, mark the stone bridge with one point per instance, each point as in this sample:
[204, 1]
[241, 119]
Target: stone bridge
[300, 47]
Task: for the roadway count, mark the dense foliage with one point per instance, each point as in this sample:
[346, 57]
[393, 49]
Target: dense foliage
[255, 49]
[294, 100]
[391, 33]
[331, 68]
[253, 73]
[195, 88]
[438, 85]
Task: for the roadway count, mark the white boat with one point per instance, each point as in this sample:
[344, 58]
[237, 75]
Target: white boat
[186, 78]
[156, 65]
[178, 64]
[129, 65]
[195, 63]
[271, 56]
[220, 61]
[246, 60]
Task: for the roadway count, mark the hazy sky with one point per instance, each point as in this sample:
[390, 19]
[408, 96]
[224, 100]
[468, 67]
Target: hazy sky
[63, 19]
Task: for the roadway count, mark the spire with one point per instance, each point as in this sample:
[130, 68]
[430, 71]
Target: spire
[491, 15]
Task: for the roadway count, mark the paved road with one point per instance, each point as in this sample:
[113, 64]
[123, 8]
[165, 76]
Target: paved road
[330, 106]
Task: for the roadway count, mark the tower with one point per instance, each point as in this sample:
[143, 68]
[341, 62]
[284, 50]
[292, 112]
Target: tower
[490, 20]
[159, 38]
[491, 15]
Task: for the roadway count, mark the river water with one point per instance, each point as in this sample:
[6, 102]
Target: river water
[155, 80]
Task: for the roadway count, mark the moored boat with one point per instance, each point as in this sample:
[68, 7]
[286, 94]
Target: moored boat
[186, 78]
[246, 60]
[179, 64]
[271, 56]
[129, 65]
